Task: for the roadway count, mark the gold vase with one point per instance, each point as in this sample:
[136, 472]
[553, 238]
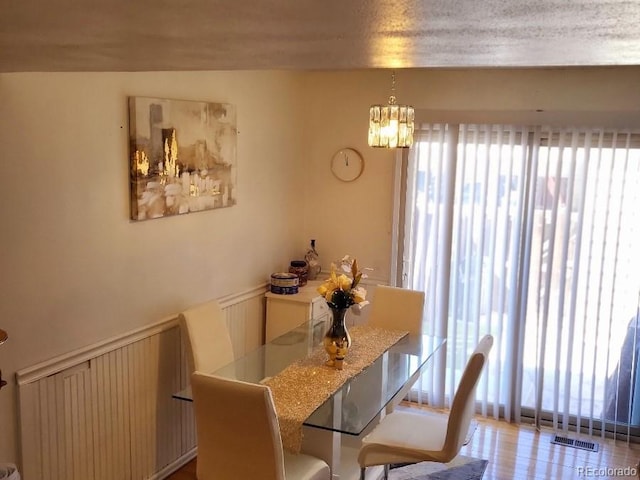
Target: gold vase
[337, 339]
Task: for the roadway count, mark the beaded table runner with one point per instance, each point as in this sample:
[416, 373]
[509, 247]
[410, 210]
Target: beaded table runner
[306, 384]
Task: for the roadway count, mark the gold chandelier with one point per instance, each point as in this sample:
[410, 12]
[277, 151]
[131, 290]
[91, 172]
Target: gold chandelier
[391, 126]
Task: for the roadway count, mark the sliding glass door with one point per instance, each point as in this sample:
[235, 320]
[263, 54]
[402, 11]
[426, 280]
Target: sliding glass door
[529, 234]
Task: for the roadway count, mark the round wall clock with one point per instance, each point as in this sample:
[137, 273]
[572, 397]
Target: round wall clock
[347, 164]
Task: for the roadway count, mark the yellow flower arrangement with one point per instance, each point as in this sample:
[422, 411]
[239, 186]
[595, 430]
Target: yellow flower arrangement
[341, 290]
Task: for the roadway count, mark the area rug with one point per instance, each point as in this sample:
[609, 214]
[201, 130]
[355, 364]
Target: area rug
[460, 468]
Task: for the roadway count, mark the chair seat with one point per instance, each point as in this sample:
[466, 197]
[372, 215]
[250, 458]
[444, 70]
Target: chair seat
[408, 437]
[401, 432]
[305, 467]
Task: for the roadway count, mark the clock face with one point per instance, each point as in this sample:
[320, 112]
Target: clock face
[347, 164]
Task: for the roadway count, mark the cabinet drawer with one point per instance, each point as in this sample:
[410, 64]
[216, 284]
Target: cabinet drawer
[319, 308]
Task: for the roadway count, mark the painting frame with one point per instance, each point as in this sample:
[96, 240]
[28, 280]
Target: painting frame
[182, 156]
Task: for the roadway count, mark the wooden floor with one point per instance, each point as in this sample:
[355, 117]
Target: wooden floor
[521, 452]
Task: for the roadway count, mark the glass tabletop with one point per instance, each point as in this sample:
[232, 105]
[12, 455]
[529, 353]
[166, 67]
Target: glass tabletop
[352, 407]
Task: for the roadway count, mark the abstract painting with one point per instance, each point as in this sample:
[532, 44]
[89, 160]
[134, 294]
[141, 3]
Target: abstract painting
[182, 156]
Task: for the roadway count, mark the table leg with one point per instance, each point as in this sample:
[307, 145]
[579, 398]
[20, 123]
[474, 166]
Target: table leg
[339, 451]
[323, 444]
[326, 444]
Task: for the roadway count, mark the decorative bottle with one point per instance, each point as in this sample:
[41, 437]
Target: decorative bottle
[313, 259]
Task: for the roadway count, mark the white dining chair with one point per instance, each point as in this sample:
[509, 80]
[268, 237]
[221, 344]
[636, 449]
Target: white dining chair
[207, 338]
[239, 436]
[411, 437]
[397, 308]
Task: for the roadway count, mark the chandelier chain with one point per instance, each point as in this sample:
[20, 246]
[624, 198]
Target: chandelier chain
[392, 97]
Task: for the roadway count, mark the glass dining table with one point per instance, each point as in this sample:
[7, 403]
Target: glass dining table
[333, 430]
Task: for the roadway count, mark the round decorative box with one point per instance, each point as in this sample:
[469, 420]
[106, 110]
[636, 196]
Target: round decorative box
[301, 269]
[284, 283]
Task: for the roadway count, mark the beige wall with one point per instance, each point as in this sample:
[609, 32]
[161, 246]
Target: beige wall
[347, 218]
[75, 270]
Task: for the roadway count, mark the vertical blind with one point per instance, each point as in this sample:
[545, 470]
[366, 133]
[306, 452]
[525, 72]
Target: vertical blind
[528, 233]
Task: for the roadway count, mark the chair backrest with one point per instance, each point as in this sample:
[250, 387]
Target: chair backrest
[397, 308]
[237, 428]
[464, 400]
[206, 337]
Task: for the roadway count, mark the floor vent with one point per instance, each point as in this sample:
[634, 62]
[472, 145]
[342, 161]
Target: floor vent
[571, 442]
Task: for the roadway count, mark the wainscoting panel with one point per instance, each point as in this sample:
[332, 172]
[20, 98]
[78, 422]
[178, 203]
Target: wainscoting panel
[106, 412]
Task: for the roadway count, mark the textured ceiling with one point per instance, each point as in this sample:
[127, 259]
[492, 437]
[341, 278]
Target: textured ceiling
[149, 35]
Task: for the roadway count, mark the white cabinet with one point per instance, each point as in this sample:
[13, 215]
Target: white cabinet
[285, 312]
